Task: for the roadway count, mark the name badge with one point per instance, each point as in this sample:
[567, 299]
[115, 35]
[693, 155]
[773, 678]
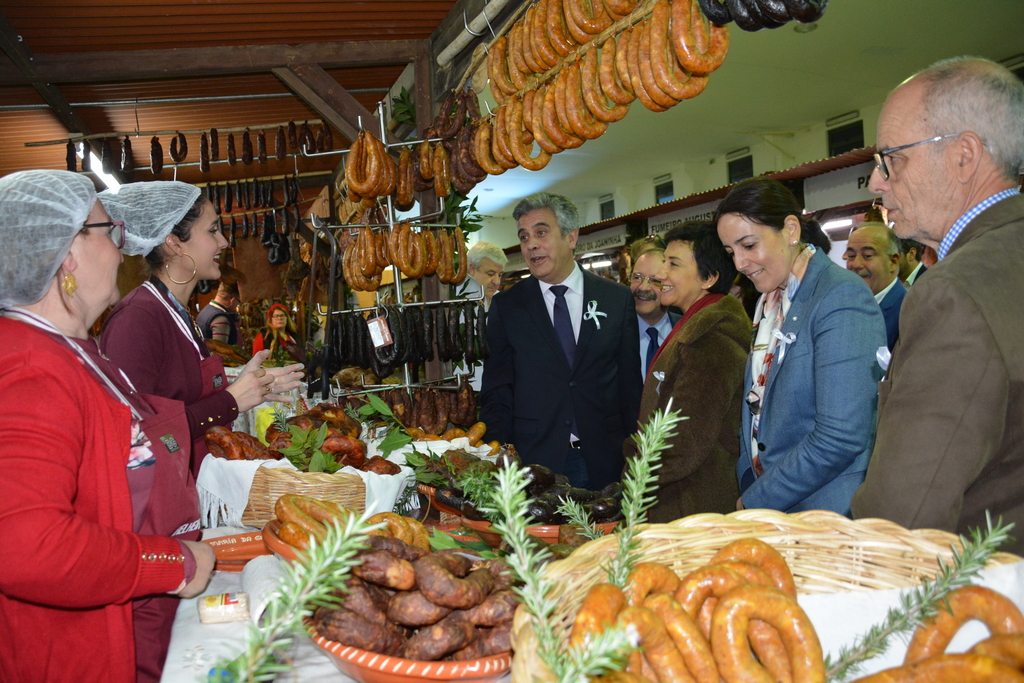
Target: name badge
[218, 381]
[170, 443]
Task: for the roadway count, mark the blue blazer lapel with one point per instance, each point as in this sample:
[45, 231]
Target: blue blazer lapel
[538, 310]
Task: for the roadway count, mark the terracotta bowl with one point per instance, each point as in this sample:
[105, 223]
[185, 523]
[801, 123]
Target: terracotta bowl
[275, 544]
[370, 667]
[546, 532]
[429, 491]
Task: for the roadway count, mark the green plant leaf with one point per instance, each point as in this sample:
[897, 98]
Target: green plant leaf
[320, 436]
[379, 405]
[394, 440]
[366, 410]
[318, 461]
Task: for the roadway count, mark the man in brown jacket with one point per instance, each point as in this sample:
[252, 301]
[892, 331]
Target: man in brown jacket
[950, 440]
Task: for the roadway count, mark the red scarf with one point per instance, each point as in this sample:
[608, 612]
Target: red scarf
[697, 305]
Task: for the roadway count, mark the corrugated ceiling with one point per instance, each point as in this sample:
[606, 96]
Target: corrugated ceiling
[82, 26]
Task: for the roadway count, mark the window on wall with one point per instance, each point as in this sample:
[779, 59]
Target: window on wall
[842, 139]
[607, 204]
[741, 169]
[663, 191]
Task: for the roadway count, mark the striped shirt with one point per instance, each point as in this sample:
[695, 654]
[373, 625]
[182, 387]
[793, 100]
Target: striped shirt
[974, 212]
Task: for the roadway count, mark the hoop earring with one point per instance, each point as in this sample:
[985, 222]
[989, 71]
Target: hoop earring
[167, 268]
[69, 284]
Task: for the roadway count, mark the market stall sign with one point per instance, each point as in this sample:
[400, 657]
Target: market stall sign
[657, 225]
[839, 188]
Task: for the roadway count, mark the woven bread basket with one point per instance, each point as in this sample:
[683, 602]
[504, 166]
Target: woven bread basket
[270, 483]
[826, 552]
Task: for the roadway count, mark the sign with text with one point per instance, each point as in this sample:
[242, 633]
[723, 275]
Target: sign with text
[658, 225]
[839, 188]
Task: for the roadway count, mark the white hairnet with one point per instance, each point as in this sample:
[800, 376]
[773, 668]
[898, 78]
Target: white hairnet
[40, 214]
[149, 211]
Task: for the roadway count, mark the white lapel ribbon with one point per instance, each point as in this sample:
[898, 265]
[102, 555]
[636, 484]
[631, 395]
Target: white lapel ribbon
[784, 341]
[592, 313]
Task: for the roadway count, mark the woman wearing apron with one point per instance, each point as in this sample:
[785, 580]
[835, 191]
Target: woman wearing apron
[150, 333]
[93, 471]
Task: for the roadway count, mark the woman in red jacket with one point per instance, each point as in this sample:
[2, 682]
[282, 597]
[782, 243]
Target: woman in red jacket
[280, 336]
[90, 466]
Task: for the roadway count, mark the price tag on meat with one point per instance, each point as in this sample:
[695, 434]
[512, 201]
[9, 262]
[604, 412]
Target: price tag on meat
[380, 333]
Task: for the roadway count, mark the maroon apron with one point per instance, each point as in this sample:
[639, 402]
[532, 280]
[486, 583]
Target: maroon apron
[172, 510]
[211, 369]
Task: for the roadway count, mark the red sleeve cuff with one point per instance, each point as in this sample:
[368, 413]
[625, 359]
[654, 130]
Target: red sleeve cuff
[190, 562]
[162, 565]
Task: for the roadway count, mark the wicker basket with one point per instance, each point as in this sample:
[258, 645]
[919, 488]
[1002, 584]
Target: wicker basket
[826, 552]
[270, 483]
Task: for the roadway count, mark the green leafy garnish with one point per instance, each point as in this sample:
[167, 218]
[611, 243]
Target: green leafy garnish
[922, 602]
[313, 579]
[439, 540]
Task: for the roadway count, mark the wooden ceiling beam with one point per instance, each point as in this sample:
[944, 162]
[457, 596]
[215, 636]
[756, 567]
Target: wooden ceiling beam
[23, 59]
[134, 65]
[325, 95]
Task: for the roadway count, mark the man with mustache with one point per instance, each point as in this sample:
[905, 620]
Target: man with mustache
[655, 321]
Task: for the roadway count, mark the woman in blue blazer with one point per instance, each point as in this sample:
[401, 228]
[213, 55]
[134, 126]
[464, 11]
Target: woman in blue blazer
[812, 374]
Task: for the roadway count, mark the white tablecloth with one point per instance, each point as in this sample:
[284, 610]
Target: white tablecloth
[195, 647]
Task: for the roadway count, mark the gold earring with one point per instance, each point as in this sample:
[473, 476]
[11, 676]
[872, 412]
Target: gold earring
[167, 267]
[69, 284]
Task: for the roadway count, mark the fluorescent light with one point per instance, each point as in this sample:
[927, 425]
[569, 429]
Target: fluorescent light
[598, 264]
[591, 254]
[96, 168]
[841, 223]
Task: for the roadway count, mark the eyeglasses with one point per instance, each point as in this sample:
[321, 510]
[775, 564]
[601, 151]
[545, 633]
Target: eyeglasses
[116, 232]
[638, 280]
[882, 153]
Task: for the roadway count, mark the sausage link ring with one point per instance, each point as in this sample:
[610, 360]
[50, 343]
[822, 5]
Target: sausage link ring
[969, 668]
[600, 609]
[970, 602]
[1007, 648]
[647, 578]
[396, 525]
[438, 578]
[659, 650]
[593, 93]
[700, 46]
[701, 585]
[761, 554]
[729, 639]
[691, 643]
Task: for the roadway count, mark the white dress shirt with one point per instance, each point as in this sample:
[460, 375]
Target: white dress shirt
[912, 278]
[881, 295]
[573, 299]
[664, 327]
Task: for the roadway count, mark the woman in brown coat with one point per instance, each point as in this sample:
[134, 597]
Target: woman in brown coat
[700, 366]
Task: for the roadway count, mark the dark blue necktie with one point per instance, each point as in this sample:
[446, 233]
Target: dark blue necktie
[563, 325]
[652, 348]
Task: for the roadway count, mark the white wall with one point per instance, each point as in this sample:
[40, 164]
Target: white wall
[775, 153]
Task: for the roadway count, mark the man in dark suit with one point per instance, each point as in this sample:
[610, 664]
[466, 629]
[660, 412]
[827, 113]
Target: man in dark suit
[873, 252]
[911, 266]
[563, 380]
[950, 440]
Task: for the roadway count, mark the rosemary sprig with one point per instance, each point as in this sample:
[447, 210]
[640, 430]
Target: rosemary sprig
[922, 602]
[577, 516]
[311, 581]
[640, 484]
[526, 560]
